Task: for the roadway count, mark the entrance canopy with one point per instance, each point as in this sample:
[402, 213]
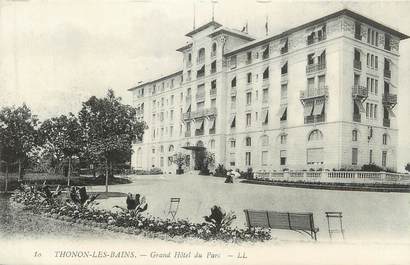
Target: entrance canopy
[194, 148]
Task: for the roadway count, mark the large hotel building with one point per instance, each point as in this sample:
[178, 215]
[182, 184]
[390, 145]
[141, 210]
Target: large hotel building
[321, 95]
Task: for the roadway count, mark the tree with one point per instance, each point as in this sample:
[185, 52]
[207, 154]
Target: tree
[407, 167]
[18, 136]
[62, 139]
[109, 128]
[179, 159]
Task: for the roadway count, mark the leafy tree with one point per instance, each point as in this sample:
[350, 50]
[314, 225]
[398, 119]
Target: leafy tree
[109, 129]
[62, 139]
[179, 160]
[407, 167]
[18, 136]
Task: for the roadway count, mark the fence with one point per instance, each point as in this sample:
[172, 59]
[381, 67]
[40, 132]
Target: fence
[349, 177]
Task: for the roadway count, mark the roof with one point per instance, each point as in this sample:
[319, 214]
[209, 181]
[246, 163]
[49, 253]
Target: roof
[346, 12]
[189, 45]
[201, 28]
[233, 32]
[156, 80]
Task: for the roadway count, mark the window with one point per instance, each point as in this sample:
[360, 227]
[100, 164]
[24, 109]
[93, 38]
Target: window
[153, 150]
[283, 155]
[161, 162]
[213, 67]
[266, 73]
[248, 141]
[248, 158]
[233, 62]
[284, 116]
[370, 156]
[172, 99]
[354, 156]
[375, 112]
[233, 102]
[283, 138]
[233, 121]
[321, 81]
[265, 54]
[233, 82]
[248, 119]
[171, 131]
[249, 98]
[284, 69]
[213, 103]
[311, 59]
[385, 139]
[367, 110]
[264, 158]
[384, 158]
[232, 159]
[249, 57]
[354, 135]
[249, 78]
[314, 156]
[201, 56]
[171, 115]
[233, 144]
[212, 144]
[357, 30]
[315, 135]
[162, 102]
[284, 91]
[387, 42]
[265, 140]
[213, 52]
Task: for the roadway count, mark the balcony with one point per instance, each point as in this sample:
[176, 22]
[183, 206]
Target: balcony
[357, 64]
[199, 114]
[312, 68]
[389, 99]
[386, 122]
[387, 73]
[200, 96]
[314, 93]
[360, 92]
[212, 92]
[357, 117]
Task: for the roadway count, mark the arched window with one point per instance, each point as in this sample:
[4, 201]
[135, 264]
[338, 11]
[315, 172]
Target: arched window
[385, 138]
[248, 141]
[354, 135]
[171, 148]
[201, 55]
[315, 135]
[212, 144]
[264, 140]
[213, 49]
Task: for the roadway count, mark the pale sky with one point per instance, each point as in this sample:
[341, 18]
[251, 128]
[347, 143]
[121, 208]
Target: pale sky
[56, 53]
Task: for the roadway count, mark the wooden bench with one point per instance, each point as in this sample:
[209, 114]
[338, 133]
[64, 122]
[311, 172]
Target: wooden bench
[299, 222]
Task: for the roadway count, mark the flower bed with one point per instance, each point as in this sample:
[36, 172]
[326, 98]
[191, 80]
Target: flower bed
[132, 221]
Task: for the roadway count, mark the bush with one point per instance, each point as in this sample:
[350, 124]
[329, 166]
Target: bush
[407, 167]
[155, 171]
[372, 168]
[220, 171]
[216, 226]
[248, 174]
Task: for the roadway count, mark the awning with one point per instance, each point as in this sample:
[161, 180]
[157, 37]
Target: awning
[212, 122]
[393, 85]
[318, 109]
[194, 148]
[202, 69]
[309, 31]
[199, 124]
[232, 121]
[282, 110]
[282, 64]
[359, 105]
[390, 61]
[283, 43]
[265, 116]
[188, 109]
[391, 113]
[308, 109]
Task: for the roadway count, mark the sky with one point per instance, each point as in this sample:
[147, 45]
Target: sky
[54, 54]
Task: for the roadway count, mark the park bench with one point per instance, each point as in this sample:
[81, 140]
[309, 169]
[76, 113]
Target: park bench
[299, 222]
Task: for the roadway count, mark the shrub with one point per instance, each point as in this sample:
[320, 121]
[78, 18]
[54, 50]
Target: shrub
[219, 219]
[220, 171]
[80, 197]
[407, 167]
[248, 174]
[155, 171]
[372, 168]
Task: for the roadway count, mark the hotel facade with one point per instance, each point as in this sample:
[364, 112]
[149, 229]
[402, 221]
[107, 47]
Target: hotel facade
[321, 95]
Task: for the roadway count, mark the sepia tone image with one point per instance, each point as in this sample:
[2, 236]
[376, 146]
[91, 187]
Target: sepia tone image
[204, 132]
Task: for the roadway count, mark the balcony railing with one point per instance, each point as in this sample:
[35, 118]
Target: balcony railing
[312, 68]
[311, 40]
[315, 119]
[357, 64]
[313, 93]
[387, 73]
[212, 92]
[389, 99]
[233, 90]
[360, 91]
[200, 96]
[199, 132]
[357, 117]
[386, 122]
[199, 113]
